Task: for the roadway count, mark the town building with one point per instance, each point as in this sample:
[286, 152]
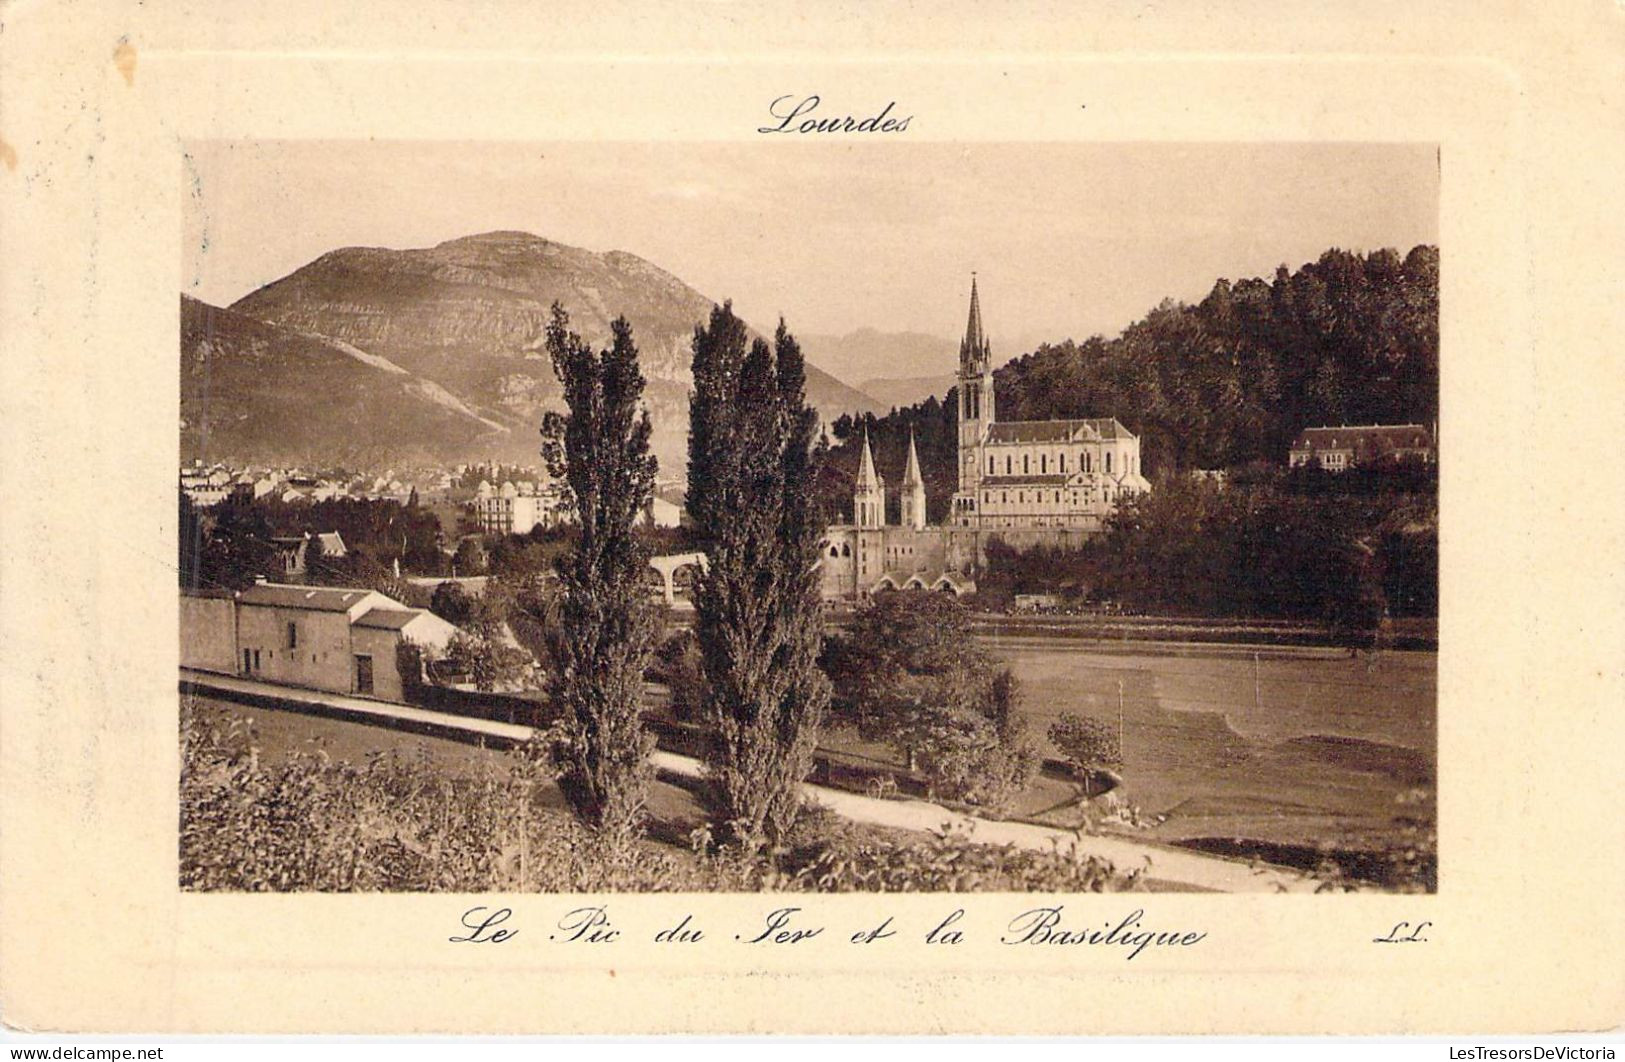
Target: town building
[292, 551]
[342, 640]
[206, 486]
[509, 511]
[1373, 445]
[1027, 483]
[664, 508]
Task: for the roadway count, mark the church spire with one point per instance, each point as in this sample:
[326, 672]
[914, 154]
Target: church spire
[911, 475]
[867, 479]
[975, 346]
[869, 493]
[912, 501]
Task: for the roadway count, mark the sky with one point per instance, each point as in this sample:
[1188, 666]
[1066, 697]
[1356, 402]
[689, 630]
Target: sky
[1066, 239]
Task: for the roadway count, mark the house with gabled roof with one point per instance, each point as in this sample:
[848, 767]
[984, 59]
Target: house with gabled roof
[1362, 446]
[339, 639]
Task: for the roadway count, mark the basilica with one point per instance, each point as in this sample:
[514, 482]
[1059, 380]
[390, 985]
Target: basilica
[1027, 482]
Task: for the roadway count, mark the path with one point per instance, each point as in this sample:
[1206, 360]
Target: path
[1164, 863]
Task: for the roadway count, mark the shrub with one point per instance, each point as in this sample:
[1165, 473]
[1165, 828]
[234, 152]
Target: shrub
[393, 823]
[490, 662]
[452, 603]
[398, 823]
[950, 861]
[1085, 742]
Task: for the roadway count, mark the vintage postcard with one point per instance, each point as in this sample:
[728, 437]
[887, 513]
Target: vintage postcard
[703, 535]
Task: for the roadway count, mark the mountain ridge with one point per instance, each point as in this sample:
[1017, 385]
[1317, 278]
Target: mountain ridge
[469, 315]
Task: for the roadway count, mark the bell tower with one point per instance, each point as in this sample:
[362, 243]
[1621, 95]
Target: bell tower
[913, 491]
[869, 495]
[975, 390]
[975, 408]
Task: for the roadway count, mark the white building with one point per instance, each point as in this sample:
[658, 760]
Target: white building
[1034, 473]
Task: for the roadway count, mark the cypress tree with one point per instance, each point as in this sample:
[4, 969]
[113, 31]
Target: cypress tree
[758, 613]
[606, 627]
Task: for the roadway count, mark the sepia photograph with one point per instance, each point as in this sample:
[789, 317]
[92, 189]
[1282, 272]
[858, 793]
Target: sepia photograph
[738, 521]
[717, 517]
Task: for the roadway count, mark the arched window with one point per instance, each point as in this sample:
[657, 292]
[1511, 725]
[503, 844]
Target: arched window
[834, 551]
[1007, 464]
[1043, 464]
[1025, 468]
[846, 550]
[1108, 462]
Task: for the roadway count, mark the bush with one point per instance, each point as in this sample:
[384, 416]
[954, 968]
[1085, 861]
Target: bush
[490, 662]
[398, 824]
[950, 861]
[1085, 742]
[452, 603]
[394, 823]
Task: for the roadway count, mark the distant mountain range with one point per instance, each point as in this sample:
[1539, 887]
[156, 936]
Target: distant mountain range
[896, 393]
[371, 355]
[868, 354]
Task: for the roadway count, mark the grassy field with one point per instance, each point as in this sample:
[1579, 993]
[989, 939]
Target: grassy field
[1289, 747]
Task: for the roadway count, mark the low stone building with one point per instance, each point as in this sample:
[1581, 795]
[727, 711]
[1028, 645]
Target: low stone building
[338, 639]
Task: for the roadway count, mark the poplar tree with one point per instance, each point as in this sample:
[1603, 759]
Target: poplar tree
[758, 612]
[606, 627]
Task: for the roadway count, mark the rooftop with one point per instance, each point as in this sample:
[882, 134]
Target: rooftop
[1089, 429]
[389, 619]
[1351, 434]
[315, 598]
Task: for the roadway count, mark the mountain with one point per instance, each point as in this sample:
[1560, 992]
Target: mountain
[867, 353]
[469, 314]
[896, 392]
[258, 392]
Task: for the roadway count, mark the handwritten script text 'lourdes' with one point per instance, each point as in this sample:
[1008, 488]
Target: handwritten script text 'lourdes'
[792, 114]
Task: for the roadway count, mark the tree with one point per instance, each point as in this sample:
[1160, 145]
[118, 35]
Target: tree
[897, 635]
[316, 570]
[758, 613]
[470, 558]
[1355, 607]
[1086, 743]
[961, 736]
[193, 539]
[490, 663]
[606, 626]
[452, 603]
[910, 674]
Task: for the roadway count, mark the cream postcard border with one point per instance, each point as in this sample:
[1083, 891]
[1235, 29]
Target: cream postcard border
[95, 105]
